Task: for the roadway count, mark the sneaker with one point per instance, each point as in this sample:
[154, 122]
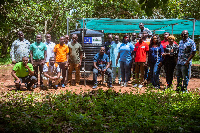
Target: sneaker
[110, 86]
[69, 84]
[94, 87]
[34, 86]
[63, 85]
[135, 85]
[119, 82]
[122, 84]
[77, 85]
[125, 84]
[140, 86]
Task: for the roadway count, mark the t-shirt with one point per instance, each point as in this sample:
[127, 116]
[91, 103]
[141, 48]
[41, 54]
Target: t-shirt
[74, 52]
[21, 71]
[101, 60]
[38, 50]
[141, 49]
[61, 52]
[125, 51]
[164, 44]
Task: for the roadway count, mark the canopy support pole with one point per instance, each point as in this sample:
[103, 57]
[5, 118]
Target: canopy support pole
[193, 29]
[67, 26]
[83, 51]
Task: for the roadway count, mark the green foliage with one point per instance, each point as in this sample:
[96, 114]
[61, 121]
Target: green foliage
[100, 111]
[6, 60]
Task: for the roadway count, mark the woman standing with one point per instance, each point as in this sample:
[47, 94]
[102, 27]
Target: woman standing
[169, 59]
[125, 51]
[155, 57]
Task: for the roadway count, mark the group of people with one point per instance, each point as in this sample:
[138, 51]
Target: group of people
[51, 59]
[144, 54]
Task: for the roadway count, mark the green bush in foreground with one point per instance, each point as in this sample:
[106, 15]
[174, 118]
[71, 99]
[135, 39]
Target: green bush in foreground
[100, 111]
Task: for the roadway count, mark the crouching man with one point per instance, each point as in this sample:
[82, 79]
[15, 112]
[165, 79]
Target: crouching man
[51, 76]
[23, 73]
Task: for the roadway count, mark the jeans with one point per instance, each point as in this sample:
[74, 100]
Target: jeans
[154, 73]
[182, 74]
[139, 67]
[114, 69]
[125, 70]
[108, 72]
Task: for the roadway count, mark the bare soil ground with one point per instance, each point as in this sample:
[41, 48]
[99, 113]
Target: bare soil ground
[7, 84]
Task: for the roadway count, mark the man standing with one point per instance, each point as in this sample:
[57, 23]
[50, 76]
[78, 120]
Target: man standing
[108, 44]
[141, 58]
[19, 48]
[50, 47]
[66, 39]
[51, 73]
[75, 59]
[23, 73]
[38, 53]
[187, 50]
[113, 56]
[142, 28]
[101, 65]
[133, 38]
[61, 53]
[165, 41]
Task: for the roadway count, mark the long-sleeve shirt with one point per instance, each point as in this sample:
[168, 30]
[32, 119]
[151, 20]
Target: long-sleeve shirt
[114, 50]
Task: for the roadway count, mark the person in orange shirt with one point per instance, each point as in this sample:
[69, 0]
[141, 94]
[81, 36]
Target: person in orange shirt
[61, 53]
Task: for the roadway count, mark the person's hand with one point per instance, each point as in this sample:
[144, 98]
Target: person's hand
[187, 63]
[104, 70]
[26, 66]
[160, 64]
[99, 69]
[17, 81]
[80, 63]
[14, 62]
[164, 54]
[66, 64]
[146, 64]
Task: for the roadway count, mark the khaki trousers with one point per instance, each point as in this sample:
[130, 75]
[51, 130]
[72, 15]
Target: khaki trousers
[73, 66]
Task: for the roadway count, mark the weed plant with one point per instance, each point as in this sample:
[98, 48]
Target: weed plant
[100, 111]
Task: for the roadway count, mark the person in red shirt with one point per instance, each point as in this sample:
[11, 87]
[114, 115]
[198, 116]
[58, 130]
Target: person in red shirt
[165, 42]
[141, 58]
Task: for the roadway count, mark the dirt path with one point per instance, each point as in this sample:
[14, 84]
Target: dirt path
[7, 84]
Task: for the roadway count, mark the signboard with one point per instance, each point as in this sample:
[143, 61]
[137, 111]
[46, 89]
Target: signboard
[89, 40]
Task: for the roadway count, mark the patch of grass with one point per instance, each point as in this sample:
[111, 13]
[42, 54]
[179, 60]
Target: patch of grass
[99, 111]
[196, 62]
[5, 60]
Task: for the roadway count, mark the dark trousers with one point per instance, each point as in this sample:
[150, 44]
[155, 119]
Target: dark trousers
[63, 69]
[169, 70]
[108, 72]
[38, 63]
[29, 80]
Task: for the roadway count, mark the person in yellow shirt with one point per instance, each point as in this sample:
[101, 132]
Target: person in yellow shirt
[61, 53]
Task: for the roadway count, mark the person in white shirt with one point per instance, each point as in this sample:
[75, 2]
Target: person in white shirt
[113, 56]
[50, 47]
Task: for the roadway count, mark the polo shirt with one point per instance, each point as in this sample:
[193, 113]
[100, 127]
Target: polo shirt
[141, 49]
[125, 51]
[38, 50]
[21, 71]
[61, 52]
[75, 50]
[164, 44]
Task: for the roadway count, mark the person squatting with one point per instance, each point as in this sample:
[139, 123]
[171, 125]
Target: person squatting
[143, 54]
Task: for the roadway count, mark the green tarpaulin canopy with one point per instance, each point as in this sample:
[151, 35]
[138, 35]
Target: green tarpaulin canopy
[158, 26]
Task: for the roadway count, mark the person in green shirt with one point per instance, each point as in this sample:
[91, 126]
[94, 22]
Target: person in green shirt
[38, 54]
[23, 73]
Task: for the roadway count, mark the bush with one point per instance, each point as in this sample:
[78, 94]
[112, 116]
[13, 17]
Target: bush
[100, 111]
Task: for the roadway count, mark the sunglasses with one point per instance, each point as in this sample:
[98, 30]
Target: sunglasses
[102, 50]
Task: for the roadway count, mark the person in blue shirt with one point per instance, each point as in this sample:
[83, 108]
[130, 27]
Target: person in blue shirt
[113, 56]
[187, 50]
[101, 65]
[125, 55]
[155, 57]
